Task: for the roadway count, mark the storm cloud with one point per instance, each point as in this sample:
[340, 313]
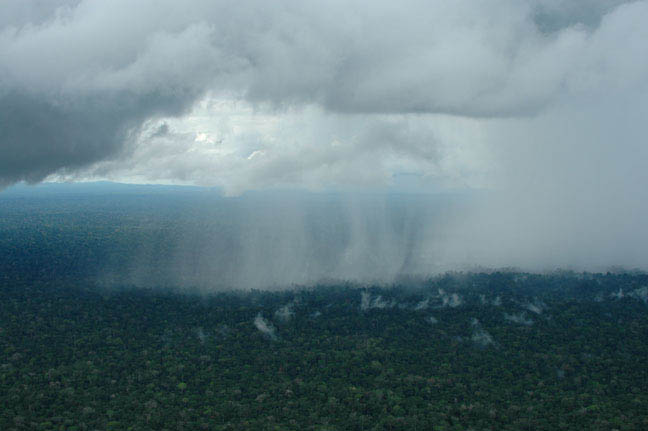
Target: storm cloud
[78, 79]
[541, 103]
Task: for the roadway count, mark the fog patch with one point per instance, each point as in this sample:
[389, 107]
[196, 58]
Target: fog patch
[368, 302]
[497, 301]
[265, 327]
[480, 336]
[640, 293]
[285, 313]
[422, 305]
[451, 300]
[536, 306]
[520, 318]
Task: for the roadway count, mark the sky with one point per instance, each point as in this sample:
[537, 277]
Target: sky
[542, 104]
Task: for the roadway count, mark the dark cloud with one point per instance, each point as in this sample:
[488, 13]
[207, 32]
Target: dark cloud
[40, 136]
[77, 78]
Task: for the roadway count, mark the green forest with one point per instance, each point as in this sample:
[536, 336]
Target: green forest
[497, 351]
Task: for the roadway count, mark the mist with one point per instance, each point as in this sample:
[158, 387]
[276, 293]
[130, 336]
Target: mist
[415, 138]
[283, 239]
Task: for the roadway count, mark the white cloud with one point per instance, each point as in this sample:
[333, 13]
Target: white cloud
[285, 313]
[482, 338]
[265, 327]
[452, 300]
[641, 293]
[520, 318]
[368, 302]
[536, 306]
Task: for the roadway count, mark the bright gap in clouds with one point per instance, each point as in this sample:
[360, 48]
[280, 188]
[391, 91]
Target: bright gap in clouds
[237, 147]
